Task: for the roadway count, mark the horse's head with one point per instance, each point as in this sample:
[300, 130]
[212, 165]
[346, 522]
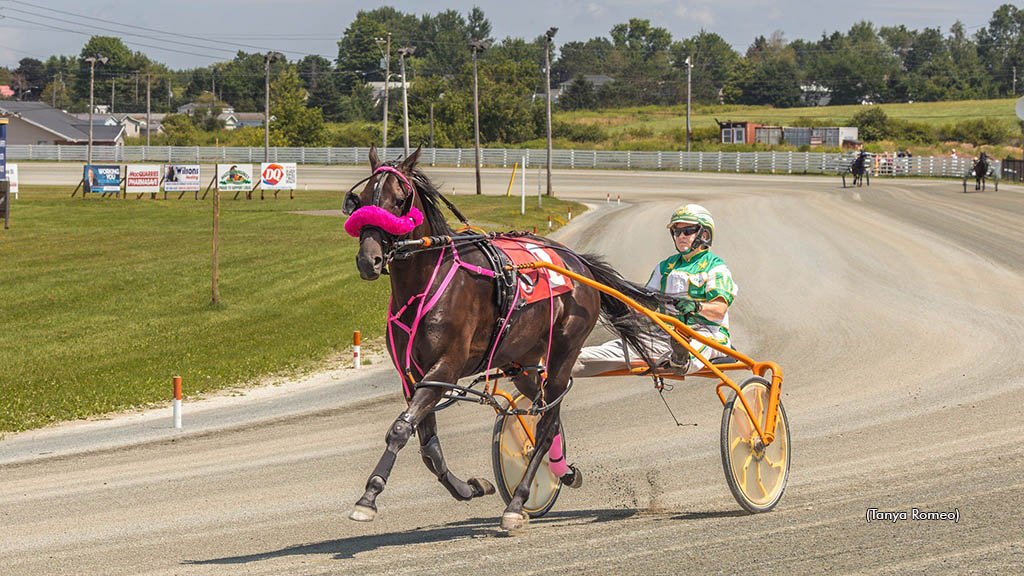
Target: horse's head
[382, 212]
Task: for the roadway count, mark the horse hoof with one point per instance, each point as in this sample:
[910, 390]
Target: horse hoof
[512, 521]
[483, 487]
[362, 514]
[576, 480]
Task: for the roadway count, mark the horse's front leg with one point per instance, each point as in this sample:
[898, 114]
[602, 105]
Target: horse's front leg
[430, 451]
[423, 401]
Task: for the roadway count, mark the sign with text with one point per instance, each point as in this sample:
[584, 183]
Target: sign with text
[142, 179]
[12, 177]
[279, 176]
[234, 177]
[102, 178]
[182, 178]
[3, 148]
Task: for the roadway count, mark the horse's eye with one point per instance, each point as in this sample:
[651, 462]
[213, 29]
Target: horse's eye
[352, 204]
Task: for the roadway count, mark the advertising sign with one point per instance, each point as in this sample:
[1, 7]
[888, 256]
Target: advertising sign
[3, 148]
[12, 177]
[182, 178]
[234, 177]
[278, 176]
[142, 179]
[102, 178]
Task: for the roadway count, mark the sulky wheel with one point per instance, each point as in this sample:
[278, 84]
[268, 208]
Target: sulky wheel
[756, 474]
[511, 451]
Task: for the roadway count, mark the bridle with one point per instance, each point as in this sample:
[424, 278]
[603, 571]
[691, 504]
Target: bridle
[353, 203]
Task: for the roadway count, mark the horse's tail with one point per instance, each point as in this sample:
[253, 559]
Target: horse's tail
[635, 328]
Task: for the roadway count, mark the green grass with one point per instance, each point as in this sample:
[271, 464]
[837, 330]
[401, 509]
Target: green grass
[662, 118]
[102, 301]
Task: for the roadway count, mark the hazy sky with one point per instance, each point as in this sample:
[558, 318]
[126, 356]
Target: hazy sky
[298, 27]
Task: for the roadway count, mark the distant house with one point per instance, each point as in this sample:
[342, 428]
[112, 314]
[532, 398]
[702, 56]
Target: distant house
[738, 132]
[377, 89]
[243, 120]
[595, 80]
[191, 108]
[134, 124]
[38, 123]
[815, 94]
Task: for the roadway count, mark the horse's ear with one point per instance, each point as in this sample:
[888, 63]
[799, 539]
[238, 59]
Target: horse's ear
[409, 163]
[374, 159]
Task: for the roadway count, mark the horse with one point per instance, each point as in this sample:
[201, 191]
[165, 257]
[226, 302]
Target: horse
[980, 172]
[454, 337]
[859, 169]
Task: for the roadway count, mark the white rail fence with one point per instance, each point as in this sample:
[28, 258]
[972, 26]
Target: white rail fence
[755, 162]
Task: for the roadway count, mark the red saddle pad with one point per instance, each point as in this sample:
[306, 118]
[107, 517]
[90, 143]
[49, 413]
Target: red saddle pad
[535, 284]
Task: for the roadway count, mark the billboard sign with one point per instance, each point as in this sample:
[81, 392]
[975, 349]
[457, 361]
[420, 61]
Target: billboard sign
[3, 148]
[182, 178]
[234, 177]
[278, 175]
[142, 179]
[102, 179]
[12, 177]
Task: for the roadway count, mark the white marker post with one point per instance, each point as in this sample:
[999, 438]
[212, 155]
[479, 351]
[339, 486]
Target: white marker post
[177, 401]
[570, 213]
[356, 356]
[522, 181]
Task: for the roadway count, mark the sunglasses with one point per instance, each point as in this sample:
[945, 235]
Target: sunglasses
[685, 231]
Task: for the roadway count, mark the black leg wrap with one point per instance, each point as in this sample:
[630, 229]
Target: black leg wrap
[383, 469]
[430, 451]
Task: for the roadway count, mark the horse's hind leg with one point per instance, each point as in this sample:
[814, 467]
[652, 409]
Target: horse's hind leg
[513, 518]
[423, 400]
[430, 451]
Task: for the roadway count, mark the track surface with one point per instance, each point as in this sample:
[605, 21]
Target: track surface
[896, 311]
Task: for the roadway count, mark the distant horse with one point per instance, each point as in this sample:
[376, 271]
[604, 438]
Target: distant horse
[980, 173]
[859, 170]
[446, 323]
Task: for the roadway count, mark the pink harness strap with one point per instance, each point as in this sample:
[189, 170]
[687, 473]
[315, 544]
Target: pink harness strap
[424, 307]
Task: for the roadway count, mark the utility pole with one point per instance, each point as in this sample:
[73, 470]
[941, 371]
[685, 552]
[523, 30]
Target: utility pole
[92, 82]
[136, 89]
[1014, 80]
[113, 83]
[689, 67]
[168, 94]
[53, 94]
[547, 83]
[477, 46]
[149, 123]
[431, 124]
[266, 105]
[60, 78]
[402, 53]
[386, 53]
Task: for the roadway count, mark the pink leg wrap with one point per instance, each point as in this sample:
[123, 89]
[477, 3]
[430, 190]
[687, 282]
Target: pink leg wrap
[556, 460]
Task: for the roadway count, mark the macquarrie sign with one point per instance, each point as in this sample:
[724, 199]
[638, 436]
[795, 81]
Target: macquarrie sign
[234, 177]
[142, 179]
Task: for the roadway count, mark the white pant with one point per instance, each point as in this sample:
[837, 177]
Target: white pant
[608, 357]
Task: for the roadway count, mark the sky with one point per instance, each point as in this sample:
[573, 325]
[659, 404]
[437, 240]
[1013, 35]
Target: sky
[299, 27]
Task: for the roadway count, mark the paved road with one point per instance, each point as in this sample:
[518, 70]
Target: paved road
[897, 312]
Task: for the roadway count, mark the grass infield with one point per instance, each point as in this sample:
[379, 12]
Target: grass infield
[103, 300]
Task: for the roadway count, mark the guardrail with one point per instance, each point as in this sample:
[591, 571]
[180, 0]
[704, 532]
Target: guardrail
[755, 162]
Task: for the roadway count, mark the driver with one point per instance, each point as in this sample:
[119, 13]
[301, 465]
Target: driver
[705, 289]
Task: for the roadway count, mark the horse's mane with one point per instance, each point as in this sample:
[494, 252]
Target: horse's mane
[430, 198]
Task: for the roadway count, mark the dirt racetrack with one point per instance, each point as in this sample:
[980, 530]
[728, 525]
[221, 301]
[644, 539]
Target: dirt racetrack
[895, 310]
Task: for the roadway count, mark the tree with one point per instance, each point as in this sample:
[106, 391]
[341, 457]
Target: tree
[872, 123]
[298, 125]
[34, 74]
[312, 69]
[579, 95]
[180, 130]
[1001, 45]
[714, 64]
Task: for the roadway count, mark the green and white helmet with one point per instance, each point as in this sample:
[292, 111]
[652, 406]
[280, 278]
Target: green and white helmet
[694, 214]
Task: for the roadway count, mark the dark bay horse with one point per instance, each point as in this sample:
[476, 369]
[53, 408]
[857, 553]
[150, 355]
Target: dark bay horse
[980, 172]
[453, 338]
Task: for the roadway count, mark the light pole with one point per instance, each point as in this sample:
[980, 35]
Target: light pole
[477, 46]
[689, 67]
[402, 53]
[271, 56]
[547, 83]
[384, 45]
[92, 79]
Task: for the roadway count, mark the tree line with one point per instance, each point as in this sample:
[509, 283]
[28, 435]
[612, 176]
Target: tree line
[637, 63]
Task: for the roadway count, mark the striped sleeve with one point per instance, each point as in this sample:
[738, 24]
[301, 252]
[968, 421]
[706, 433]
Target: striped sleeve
[720, 285]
